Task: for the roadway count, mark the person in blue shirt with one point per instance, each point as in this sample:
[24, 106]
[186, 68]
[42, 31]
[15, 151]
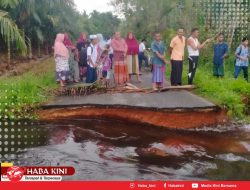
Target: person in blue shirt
[242, 59]
[220, 53]
[159, 62]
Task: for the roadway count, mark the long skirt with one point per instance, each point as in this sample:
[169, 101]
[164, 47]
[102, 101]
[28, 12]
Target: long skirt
[73, 67]
[133, 64]
[158, 74]
[121, 68]
[91, 75]
[76, 73]
[62, 68]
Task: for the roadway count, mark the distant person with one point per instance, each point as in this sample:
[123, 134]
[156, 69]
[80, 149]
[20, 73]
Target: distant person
[105, 63]
[61, 56]
[92, 56]
[83, 61]
[142, 56]
[74, 64]
[101, 43]
[158, 61]
[81, 42]
[220, 53]
[120, 57]
[242, 59]
[67, 41]
[177, 49]
[193, 52]
[132, 56]
[111, 51]
[70, 46]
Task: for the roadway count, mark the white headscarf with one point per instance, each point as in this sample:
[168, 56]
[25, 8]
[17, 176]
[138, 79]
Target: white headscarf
[102, 43]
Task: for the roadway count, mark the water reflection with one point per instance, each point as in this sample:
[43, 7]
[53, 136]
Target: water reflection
[112, 150]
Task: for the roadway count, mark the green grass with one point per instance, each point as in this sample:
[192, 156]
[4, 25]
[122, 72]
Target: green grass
[21, 95]
[227, 92]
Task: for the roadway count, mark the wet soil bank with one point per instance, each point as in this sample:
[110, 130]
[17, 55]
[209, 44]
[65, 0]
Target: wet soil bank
[167, 118]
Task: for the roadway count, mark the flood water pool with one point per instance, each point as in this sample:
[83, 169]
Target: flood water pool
[113, 150]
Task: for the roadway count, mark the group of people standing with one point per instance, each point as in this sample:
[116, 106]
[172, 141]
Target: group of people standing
[128, 56]
[95, 58]
[75, 63]
[177, 56]
[177, 49]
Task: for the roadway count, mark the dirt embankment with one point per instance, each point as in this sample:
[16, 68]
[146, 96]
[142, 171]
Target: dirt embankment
[168, 119]
[18, 65]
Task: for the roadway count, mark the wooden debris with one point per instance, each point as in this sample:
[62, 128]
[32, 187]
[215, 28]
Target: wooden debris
[184, 87]
[132, 86]
[82, 89]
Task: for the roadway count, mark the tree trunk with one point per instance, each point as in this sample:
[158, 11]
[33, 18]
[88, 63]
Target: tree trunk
[46, 48]
[39, 49]
[30, 48]
[9, 51]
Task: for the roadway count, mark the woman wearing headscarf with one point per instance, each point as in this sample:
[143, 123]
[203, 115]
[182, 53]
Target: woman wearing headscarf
[81, 42]
[73, 59]
[74, 64]
[61, 56]
[67, 41]
[120, 65]
[132, 56]
[101, 42]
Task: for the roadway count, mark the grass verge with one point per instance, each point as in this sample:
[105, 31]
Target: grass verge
[234, 95]
[21, 95]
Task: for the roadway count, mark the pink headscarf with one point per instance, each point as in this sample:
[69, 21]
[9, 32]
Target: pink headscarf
[82, 38]
[133, 46]
[59, 47]
[67, 42]
[119, 44]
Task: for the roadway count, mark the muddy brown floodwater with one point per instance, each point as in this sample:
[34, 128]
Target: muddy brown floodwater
[117, 150]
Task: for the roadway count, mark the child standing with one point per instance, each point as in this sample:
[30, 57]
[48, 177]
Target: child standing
[220, 53]
[83, 61]
[242, 56]
[92, 56]
[159, 62]
[106, 64]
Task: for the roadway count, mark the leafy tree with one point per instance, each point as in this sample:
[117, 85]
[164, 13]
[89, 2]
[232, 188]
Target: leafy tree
[105, 23]
[33, 24]
[143, 17]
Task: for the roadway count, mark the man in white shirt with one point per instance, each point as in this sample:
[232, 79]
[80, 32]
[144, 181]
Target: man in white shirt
[92, 56]
[142, 56]
[194, 47]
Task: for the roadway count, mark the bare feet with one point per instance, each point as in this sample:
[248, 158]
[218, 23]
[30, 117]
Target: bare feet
[62, 83]
[155, 89]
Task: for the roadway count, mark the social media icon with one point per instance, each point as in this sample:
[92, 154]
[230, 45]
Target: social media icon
[195, 185]
[132, 185]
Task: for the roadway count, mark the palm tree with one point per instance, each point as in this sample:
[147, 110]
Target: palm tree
[9, 30]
